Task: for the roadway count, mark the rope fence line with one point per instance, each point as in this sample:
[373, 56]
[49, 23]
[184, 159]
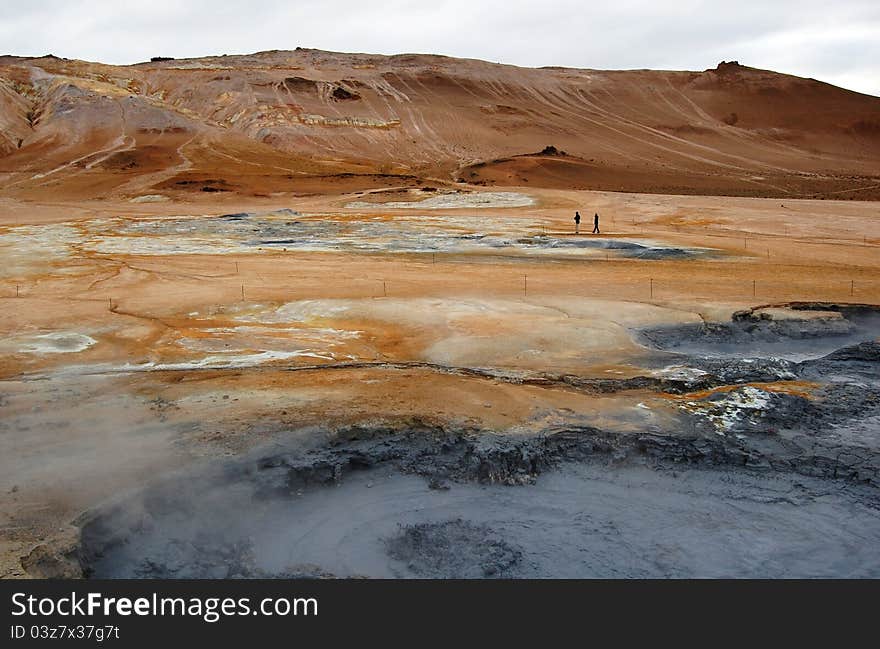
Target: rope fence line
[800, 241]
[531, 284]
[808, 239]
[655, 229]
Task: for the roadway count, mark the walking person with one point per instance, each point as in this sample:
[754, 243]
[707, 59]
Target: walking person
[596, 223]
[577, 222]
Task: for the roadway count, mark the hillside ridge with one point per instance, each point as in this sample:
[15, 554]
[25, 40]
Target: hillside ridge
[307, 120]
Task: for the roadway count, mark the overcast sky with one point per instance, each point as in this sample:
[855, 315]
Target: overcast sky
[833, 40]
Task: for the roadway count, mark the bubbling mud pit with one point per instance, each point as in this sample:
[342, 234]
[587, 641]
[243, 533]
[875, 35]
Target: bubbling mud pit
[464, 504]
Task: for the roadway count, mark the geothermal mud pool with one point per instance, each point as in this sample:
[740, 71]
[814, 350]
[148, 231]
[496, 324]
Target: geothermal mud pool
[771, 469]
[27, 247]
[309, 516]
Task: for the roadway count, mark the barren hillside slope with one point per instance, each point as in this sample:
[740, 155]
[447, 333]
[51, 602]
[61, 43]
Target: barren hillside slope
[307, 121]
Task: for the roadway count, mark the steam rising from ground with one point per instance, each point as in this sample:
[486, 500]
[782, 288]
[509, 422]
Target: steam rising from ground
[583, 520]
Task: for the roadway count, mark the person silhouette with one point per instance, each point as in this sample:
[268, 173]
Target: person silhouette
[577, 222]
[596, 223]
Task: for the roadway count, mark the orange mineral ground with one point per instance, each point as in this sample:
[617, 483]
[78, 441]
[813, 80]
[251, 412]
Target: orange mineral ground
[200, 257]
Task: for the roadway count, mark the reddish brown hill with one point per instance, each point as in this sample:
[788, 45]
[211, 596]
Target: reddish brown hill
[308, 121]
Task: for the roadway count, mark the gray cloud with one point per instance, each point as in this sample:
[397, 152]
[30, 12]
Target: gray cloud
[837, 42]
